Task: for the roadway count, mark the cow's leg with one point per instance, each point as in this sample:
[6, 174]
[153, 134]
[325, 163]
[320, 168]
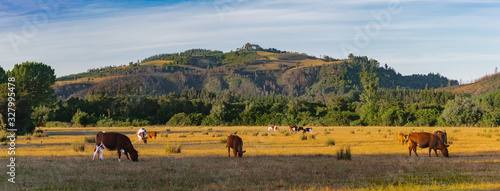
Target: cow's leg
[435, 151]
[96, 150]
[125, 153]
[101, 150]
[235, 153]
[228, 151]
[119, 156]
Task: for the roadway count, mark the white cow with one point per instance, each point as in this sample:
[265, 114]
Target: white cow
[141, 133]
[272, 128]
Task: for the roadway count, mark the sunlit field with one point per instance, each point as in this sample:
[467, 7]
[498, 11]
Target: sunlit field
[273, 160]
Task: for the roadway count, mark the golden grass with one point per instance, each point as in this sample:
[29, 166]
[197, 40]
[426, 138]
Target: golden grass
[264, 53]
[85, 80]
[272, 162]
[157, 62]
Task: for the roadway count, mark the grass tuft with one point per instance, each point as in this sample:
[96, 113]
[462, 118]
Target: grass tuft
[344, 153]
[223, 141]
[89, 139]
[172, 149]
[255, 133]
[78, 146]
[330, 142]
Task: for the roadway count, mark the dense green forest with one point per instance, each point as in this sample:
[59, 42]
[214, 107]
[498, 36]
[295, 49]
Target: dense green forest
[249, 70]
[351, 92]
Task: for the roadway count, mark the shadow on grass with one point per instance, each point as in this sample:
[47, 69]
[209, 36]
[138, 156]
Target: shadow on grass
[263, 172]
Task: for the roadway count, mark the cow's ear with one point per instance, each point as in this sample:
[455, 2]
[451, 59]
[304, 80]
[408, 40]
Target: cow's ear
[244, 151]
[447, 145]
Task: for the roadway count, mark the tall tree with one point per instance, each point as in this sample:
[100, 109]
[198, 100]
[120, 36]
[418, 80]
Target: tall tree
[33, 82]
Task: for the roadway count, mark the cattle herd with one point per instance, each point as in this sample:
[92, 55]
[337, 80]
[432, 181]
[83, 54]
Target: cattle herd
[120, 142]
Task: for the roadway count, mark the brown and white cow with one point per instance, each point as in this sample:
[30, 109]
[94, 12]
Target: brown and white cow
[114, 141]
[151, 135]
[272, 128]
[235, 142]
[442, 136]
[292, 128]
[424, 140]
[141, 133]
[296, 129]
[402, 138]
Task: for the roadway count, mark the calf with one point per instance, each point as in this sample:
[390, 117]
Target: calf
[442, 136]
[424, 140]
[272, 128]
[235, 142]
[151, 135]
[402, 138]
[114, 141]
[141, 133]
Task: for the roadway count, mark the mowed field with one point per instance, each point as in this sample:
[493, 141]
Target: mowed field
[273, 161]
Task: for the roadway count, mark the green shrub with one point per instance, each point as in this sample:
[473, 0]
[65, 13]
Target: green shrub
[172, 150]
[3, 136]
[56, 124]
[330, 142]
[78, 146]
[344, 153]
[81, 118]
[89, 139]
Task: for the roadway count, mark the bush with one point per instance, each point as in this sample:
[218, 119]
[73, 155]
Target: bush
[330, 142]
[344, 153]
[28, 138]
[3, 136]
[81, 118]
[78, 146]
[90, 139]
[172, 150]
[56, 124]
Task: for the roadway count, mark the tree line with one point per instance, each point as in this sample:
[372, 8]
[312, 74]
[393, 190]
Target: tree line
[369, 105]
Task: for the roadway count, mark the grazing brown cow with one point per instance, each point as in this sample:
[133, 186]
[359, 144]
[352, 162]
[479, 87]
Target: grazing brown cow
[235, 142]
[151, 134]
[424, 140]
[402, 138]
[442, 136]
[114, 141]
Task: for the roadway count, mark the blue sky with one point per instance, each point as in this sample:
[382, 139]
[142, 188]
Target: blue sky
[458, 39]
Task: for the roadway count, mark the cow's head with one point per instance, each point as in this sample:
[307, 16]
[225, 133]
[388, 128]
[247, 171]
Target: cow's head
[134, 155]
[240, 153]
[444, 149]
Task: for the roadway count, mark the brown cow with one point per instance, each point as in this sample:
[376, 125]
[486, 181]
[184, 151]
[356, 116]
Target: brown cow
[442, 136]
[402, 138]
[114, 141]
[424, 140]
[151, 134]
[235, 142]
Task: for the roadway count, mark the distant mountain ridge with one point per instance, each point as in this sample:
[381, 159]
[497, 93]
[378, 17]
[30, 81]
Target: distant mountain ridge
[248, 70]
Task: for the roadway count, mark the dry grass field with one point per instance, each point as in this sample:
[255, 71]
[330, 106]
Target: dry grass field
[273, 161]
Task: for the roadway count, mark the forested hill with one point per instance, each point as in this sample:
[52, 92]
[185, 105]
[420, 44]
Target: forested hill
[249, 70]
